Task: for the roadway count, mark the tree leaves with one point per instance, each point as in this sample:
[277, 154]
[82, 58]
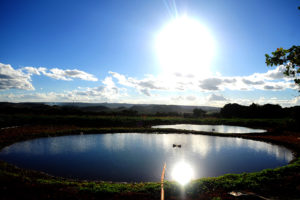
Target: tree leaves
[288, 57]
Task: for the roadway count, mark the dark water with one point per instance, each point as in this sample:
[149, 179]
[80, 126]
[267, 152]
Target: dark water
[212, 128]
[134, 157]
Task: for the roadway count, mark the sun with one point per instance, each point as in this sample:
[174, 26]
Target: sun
[185, 46]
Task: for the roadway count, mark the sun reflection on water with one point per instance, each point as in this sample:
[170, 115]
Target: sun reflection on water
[182, 172]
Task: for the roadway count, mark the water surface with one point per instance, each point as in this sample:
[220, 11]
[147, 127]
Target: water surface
[212, 128]
[134, 157]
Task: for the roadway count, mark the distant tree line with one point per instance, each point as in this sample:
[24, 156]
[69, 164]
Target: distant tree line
[228, 111]
[259, 111]
[149, 110]
[40, 108]
[166, 114]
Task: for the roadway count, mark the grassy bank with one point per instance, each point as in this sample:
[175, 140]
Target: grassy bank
[137, 121]
[281, 182]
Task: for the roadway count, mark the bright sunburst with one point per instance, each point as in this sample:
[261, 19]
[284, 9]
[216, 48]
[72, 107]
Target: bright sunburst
[185, 46]
[182, 173]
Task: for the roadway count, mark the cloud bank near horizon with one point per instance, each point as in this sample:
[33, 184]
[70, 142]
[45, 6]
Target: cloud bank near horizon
[161, 89]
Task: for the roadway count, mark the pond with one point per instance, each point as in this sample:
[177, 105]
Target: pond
[136, 157]
[212, 128]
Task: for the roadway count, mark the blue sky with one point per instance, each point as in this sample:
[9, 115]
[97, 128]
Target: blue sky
[106, 51]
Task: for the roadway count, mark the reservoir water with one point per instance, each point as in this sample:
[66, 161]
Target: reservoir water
[212, 128]
[135, 157]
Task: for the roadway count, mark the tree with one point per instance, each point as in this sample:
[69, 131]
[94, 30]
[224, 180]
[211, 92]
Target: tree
[290, 58]
[197, 112]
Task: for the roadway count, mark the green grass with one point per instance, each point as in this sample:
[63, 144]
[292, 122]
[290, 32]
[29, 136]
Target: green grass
[136, 121]
[265, 181]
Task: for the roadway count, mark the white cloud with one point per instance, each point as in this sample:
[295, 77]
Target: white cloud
[11, 78]
[14, 79]
[152, 86]
[270, 87]
[276, 73]
[143, 86]
[165, 89]
[100, 93]
[108, 92]
[95, 94]
[191, 98]
[121, 79]
[272, 100]
[105, 94]
[67, 74]
[145, 91]
[35, 97]
[109, 82]
[216, 97]
[31, 70]
[210, 84]
[271, 80]
[250, 82]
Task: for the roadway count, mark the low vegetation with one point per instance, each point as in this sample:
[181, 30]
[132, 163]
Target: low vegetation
[137, 121]
[279, 182]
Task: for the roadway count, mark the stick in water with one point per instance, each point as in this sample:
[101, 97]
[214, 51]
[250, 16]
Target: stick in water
[162, 183]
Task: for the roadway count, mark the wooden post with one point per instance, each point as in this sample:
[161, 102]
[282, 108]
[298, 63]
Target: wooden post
[162, 183]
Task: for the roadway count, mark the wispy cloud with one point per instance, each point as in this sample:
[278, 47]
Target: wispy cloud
[120, 95]
[67, 75]
[31, 70]
[143, 85]
[95, 94]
